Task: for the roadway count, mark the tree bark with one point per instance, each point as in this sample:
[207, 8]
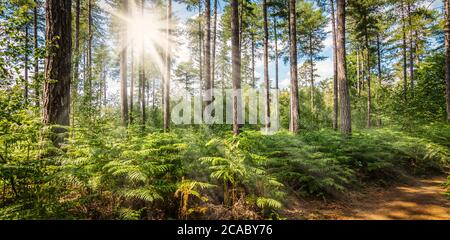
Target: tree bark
[405, 77]
[76, 58]
[236, 64]
[123, 66]
[346, 124]
[358, 73]
[37, 88]
[411, 50]
[208, 84]
[213, 53]
[447, 55]
[335, 81]
[168, 63]
[253, 61]
[200, 45]
[89, 56]
[379, 79]
[311, 60]
[277, 111]
[369, 90]
[26, 62]
[58, 62]
[131, 84]
[266, 67]
[142, 77]
[294, 107]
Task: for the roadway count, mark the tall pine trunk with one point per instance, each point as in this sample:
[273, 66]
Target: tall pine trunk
[294, 104]
[335, 83]
[379, 79]
[26, 61]
[276, 111]
[369, 81]
[208, 84]
[123, 66]
[131, 84]
[89, 56]
[447, 55]
[311, 60]
[58, 62]
[405, 77]
[411, 50]
[76, 58]
[236, 64]
[142, 77]
[346, 124]
[167, 78]
[214, 42]
[266, 67]
[36, 83]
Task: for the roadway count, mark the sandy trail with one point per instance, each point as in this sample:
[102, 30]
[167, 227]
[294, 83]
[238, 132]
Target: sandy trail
[420, 199]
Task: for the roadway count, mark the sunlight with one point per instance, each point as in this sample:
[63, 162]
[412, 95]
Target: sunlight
[146, 31]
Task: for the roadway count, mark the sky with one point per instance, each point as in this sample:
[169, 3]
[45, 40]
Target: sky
[324, 67]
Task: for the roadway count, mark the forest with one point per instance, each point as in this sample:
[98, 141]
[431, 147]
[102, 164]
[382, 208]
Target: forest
[224, 109]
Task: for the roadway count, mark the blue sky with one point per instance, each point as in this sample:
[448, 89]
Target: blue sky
[324, 68]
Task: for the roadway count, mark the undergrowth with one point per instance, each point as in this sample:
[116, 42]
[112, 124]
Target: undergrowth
[105, 172]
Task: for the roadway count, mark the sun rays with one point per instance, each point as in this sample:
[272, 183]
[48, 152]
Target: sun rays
[146, 28]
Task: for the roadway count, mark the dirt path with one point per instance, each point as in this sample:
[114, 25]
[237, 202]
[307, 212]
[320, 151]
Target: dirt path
[422, 199]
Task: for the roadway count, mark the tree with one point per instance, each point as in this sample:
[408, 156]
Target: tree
[266, 67]
[214, 42]
[346, 124]
[335, 79]
[294, 104]
[58, 62]
[311, 33]
[447, 55]
[142, 77]
[123, 66]
[236, 64]
[36, 83]
[208, 80]
[167, 75]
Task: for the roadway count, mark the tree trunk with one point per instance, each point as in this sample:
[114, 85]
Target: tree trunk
[447, 55]
[76, 58]
[131, 84]
[168, 63]
[335, 82]
[26, 62]
[208, 84]
[379, 79]
[369, 90]
[266, 67]
[405, 78]
[311, 61]
[346, 124]
[294, 113]
[37, 88]
[142, 77]
[277, 111]
[123, 67]
[253, 61]
[200, 43]
[358, 73]
[58, 63]
[89, 56]
[411, 50]
[213, 60]
[236, 64]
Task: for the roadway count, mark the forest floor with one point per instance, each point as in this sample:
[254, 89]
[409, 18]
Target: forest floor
[417, 199]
